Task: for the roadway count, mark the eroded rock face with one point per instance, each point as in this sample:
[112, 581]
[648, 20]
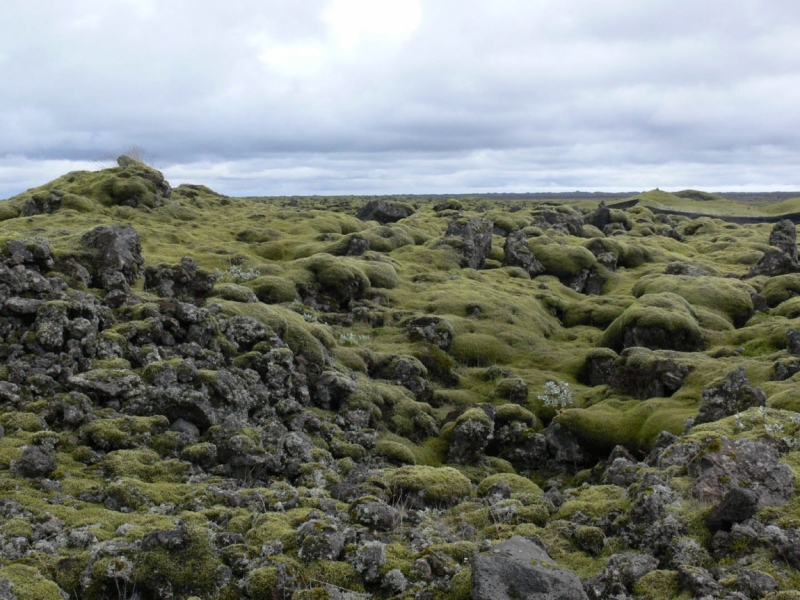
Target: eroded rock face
[116, 250]
[517, 253]
[745, 463]
[519, 568]
[784, 238]
[731, 396]
[184, 280]
[433, 330]
[784, 259]
[473, 240]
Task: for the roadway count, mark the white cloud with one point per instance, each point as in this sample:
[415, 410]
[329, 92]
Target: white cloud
[414, 93]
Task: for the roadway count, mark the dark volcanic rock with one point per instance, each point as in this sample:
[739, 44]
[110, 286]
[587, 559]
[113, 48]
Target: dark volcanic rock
[472, 238]
[519, 568]
[34, 462]
[645, 374]
[784, 238]
[518, 253]
[793, 341]
[620, 574]
[433, 330]
[184, 280]
[742, 463]
[115, 249]
[384, 212]
[732, 395]
[738, 505]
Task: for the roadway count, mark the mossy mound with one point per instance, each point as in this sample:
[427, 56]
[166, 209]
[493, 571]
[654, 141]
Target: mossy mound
[663, 321]
[563, 261]
[432, 485]
[630, 423]
[728, 297]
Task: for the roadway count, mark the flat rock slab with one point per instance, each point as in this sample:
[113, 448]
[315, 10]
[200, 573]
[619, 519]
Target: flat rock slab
[518, 569]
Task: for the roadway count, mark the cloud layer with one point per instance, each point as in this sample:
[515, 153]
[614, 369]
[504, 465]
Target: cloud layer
[405, 96]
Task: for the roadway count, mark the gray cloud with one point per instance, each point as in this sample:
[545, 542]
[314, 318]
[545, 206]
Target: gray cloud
[285, 97]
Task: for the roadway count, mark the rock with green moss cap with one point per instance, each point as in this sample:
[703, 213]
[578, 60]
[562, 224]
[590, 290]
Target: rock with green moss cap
[663, 321]
[423, 485]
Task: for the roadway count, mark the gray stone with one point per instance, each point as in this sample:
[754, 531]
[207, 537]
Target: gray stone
[518, 253]
[755, 584]
[732, 395]
[115, 248]
[739, 463]
[472, 238]
[384, 212]
[34, 462]
[519, 568]
[738, 505]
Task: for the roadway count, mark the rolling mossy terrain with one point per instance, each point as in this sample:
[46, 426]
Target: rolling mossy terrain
[312, 398]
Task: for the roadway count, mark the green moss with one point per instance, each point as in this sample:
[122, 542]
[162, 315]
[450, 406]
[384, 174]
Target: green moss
[123, 432]
[633, 424]
[657, 585]
[436, 485]
[395, 452]
[507, 413]
[29, 584]
[21, 421]
[273, 526]
[146, 465]
[595, 312]
[563, 261]
[667, 314]
[594, 501]
[380, 274]
[460, 586]
[262, 583]
[337, 573]
[517, 483]
[190, 570]
[779, 289]
[234, 292]
[728, 297]
[8, 210]
[273, 290]
[342, 278]
[479, 350]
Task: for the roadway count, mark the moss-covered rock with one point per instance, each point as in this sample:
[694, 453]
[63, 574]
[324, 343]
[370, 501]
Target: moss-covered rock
[663, 321]
[429, 485]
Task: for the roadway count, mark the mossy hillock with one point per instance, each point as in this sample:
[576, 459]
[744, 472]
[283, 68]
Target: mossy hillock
[242, 398]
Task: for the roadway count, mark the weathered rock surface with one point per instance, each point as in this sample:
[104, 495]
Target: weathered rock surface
[519, 568]
[472, 238]
[732, 395]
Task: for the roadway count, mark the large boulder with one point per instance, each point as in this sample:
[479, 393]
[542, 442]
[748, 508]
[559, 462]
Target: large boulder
[472, 238]
[728, 464]
[433, 330]
[662, 321]
[519, 568]
[115, 249]
[784, 238]
[728, 396]
[643, 373]
[782, 258]
[518, 253]
[384, 212]
[471, 434]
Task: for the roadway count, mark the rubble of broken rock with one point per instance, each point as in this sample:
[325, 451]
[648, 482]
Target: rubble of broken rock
[310, 398]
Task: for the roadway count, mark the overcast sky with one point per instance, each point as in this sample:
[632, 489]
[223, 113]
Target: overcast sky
[277, 97]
